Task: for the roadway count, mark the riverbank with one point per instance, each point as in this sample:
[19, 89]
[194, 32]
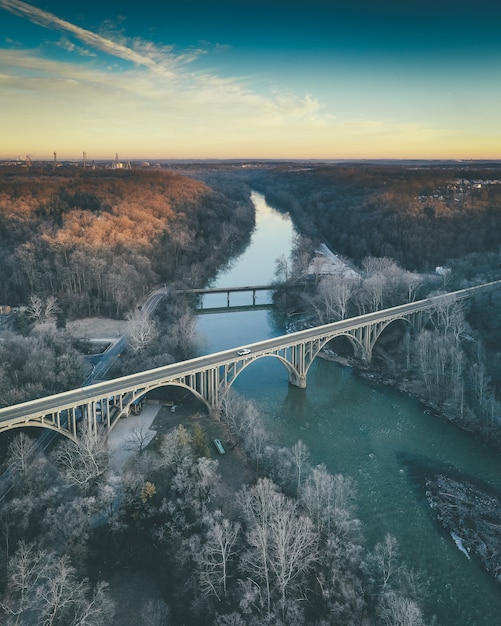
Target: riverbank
[470, 516]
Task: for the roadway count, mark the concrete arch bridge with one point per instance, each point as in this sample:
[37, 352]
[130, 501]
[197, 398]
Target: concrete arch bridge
[210, 377]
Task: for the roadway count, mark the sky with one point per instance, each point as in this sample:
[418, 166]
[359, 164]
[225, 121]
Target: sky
[250, 79]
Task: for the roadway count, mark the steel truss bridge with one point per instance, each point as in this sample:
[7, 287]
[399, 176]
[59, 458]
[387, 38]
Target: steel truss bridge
[210, 377]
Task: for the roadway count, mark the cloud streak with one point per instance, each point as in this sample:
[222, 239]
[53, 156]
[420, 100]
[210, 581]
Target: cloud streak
[49, 20]
[163, 104]
[202, 88]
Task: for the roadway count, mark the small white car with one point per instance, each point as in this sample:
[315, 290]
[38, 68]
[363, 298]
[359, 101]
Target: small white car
[244, 352]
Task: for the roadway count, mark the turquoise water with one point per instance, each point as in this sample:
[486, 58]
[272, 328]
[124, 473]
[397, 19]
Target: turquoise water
[382, 439]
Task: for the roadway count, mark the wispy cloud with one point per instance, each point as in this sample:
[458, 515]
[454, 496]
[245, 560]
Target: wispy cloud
[162, 98]
[49, 20]
[65, 44]
[203, 88]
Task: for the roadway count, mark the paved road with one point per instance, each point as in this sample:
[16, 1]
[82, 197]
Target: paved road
[134, 382]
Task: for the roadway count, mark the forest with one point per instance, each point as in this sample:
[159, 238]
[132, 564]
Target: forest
[77, 244]
[266, 539]
[421, 216]
[271, 539]
[99, 240]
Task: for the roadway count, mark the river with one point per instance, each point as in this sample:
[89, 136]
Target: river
[379, 437]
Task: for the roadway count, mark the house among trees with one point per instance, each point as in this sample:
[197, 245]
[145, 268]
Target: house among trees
[325, 262]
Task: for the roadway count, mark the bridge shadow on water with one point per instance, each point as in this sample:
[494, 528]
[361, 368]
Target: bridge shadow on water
[233, 309]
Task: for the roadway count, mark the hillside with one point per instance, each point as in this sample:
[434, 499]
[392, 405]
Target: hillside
[419, 215]
[98, 240]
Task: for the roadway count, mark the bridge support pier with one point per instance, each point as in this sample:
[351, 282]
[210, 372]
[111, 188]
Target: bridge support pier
[298, 380]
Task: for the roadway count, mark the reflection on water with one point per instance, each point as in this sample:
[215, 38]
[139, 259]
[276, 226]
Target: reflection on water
[271, 238]
[385, 441]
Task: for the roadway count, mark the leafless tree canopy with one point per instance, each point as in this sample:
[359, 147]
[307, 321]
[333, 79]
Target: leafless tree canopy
[84, 462]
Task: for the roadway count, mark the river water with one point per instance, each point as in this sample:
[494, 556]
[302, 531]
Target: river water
[382, 439]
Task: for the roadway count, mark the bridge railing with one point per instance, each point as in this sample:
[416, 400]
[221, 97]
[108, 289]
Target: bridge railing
[132, 383]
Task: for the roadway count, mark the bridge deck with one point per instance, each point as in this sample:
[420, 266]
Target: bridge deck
[141, 381]
[225, 289]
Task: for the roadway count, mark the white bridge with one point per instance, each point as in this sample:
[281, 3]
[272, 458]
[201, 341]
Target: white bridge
[210, 377]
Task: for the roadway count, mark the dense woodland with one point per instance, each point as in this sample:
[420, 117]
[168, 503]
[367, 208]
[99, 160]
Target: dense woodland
[418, 216]
[275, 540]
[99, 240]
[83, 243]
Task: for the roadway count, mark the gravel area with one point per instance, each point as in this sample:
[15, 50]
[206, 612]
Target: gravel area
[119, 438]
[97, 328]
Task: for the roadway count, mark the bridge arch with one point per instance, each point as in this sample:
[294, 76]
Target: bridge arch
[169, 383]
[292, 371]
[208, 377]
[379, 330]
[358, 347]
[45, 425]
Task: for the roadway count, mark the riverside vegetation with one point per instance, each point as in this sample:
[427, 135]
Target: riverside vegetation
[289, 549]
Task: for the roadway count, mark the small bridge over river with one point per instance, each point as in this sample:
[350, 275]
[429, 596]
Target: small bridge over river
[210, 377]
[232, 290]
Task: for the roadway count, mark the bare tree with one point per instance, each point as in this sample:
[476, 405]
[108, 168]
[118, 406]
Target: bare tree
[245, 424]
[155, 613]
[450, 317]
[35, 309]
[20, 452]
[141, 329]
[183, 339]
[300, 456]
[334, 294]
[302, 249]
[293, 548]
[67, 526]
[383, 562]
[96, 610]
[374, 288]
[329, 501]
[176, 450]
[25, 570]
[238, 413]
[205, 478]
[378, 265]
[257, 504]
[139, 437]
[255, 440]
[396, 609]
[214, 558]
[282, 269]
[51, 307]
[282, 544]
[43, 588]
[412, 283]
[85, 461]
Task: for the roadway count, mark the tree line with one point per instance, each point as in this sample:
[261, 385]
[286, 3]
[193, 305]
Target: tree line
[80, 244]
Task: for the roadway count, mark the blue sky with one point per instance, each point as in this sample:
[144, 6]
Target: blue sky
[250, 79]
